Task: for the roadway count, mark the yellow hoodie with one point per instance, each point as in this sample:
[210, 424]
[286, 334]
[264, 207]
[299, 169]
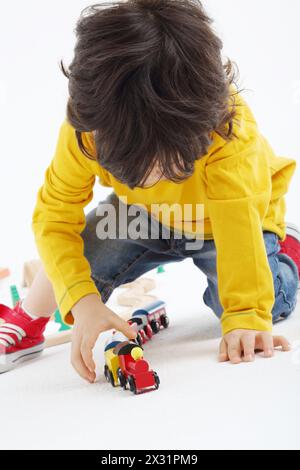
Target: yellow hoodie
[241, 183]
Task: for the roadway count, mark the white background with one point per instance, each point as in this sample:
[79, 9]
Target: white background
[262, 36]
[201, 404]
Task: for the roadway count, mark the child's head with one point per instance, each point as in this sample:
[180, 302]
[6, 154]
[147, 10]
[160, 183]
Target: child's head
[147, 78]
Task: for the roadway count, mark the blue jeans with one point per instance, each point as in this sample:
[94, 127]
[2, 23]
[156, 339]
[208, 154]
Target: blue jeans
[117, 261]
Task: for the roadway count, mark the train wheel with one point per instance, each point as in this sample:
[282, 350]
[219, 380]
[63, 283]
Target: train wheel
[106, 373]
[143, 336]
[165, 321]
[148, 331]
[122, 379]
[157, 381]
[155, 326]
[131, 383]
[111, 378]
[139, 339]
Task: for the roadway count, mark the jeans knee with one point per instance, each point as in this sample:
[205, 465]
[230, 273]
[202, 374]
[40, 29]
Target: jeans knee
[211, 299]
[286, 287]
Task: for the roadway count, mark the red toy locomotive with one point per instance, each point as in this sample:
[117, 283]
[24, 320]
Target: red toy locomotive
[124, 361]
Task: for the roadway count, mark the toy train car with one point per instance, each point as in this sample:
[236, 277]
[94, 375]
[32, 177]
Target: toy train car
[149, 320]
[125, 366]
[142, 327]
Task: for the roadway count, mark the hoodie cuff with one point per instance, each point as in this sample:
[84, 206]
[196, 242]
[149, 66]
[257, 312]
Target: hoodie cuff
[72, 295]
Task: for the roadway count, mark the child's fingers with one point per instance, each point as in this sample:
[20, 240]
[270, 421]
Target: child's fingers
[223, 356]
[283, 342]
[248, 344]
[77, 360]
[80, 367]
[86, 350]
[234, 349]
[121, 325]
[267, 344]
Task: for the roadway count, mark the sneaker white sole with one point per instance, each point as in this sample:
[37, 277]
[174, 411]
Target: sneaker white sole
[9, 361]
[293, 231]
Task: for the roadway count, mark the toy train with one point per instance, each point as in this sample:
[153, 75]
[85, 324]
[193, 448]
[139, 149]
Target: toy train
[149, 320]
[124, 361]
[125, 366]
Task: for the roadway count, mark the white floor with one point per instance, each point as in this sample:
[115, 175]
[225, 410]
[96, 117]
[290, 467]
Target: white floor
[200, 404]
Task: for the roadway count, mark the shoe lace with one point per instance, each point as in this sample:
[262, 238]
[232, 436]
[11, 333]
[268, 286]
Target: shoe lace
[7, 331]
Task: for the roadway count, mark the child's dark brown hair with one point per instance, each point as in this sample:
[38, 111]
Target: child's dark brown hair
[147, 78]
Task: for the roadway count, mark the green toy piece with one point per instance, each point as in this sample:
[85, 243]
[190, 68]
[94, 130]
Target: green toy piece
[160, 269]
[15, 296]
[58, 319]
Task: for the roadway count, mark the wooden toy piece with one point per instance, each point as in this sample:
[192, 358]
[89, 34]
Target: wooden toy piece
[144, 283]
[4, 272]
[15, 296]
[56, 339]
[136, 295]
[30, 270]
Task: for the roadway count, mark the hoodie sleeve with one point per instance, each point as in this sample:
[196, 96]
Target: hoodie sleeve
[238, 192]
[58, 219]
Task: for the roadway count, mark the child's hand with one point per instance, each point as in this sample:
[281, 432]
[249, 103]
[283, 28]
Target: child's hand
[240, 345]
[92, 317]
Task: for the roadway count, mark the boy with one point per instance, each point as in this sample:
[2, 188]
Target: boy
[154, 114]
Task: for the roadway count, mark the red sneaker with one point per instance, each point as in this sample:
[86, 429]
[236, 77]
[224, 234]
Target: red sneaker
[291, 245]
[21, 337]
